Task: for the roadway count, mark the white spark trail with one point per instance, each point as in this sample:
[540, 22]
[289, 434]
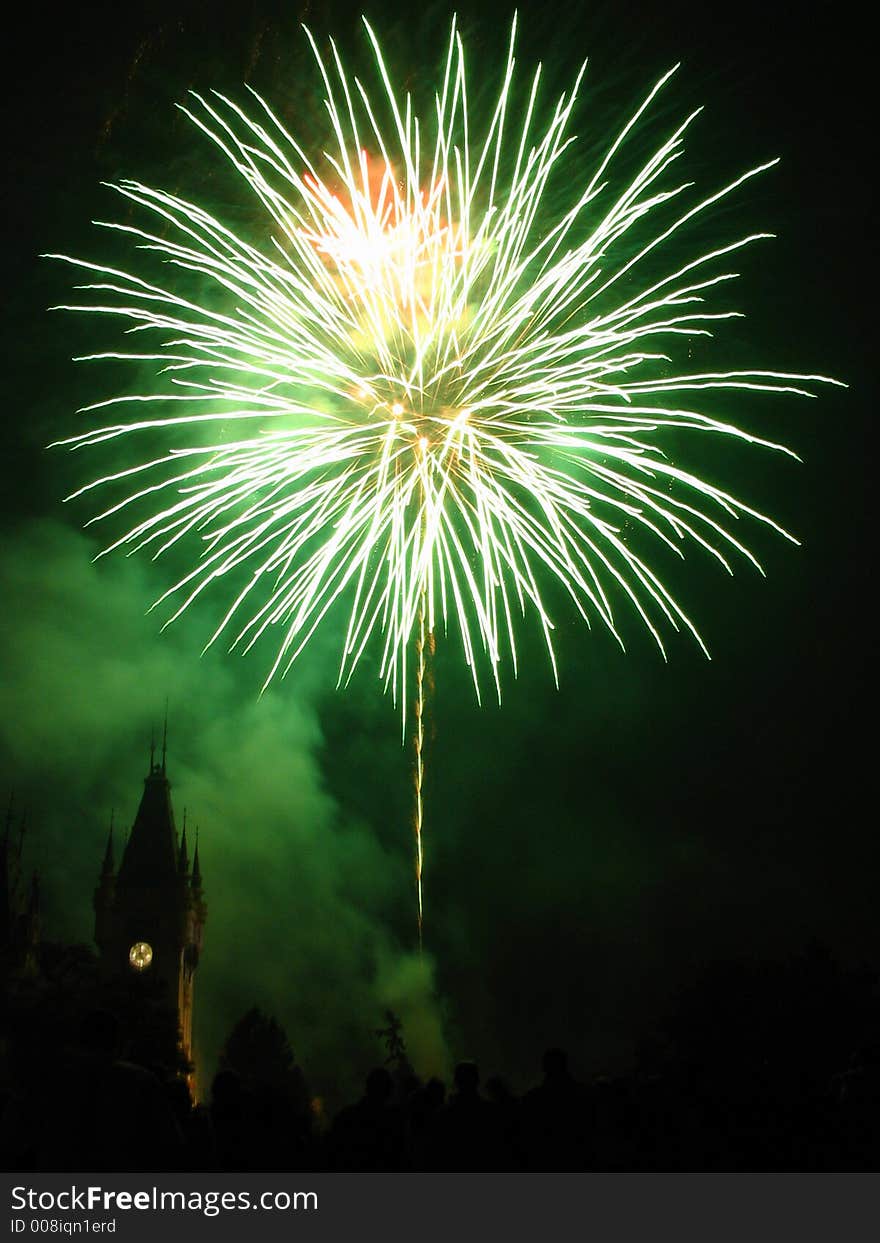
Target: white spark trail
[440, 381]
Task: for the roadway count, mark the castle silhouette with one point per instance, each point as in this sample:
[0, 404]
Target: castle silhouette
[150, 914]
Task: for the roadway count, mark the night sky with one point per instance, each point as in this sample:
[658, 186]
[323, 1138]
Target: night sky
[589, 850]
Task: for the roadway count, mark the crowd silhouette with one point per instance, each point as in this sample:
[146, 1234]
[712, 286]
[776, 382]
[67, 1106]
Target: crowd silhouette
[101, 1112]
[759, 1068]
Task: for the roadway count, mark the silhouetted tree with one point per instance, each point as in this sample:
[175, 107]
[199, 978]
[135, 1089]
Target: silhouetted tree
[257, 1049]
[395, 1044]
[273, 1098]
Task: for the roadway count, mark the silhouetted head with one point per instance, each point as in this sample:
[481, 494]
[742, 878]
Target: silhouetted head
[435, 1093]
[467, 1078]
[555, 1064]
[379, 1086]
[498, 1091]
[100, 1033]
[411, 1084]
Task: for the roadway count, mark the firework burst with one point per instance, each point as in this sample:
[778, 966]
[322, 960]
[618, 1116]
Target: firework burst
[428, 391]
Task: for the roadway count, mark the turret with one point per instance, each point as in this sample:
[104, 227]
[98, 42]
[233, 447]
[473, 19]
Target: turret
[197, 871]
[183, 857]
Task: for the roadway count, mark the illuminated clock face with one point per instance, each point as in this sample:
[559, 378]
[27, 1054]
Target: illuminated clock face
[140, 955]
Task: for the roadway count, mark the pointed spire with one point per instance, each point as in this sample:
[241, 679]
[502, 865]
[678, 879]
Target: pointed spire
[152, 747]
[107, 867]
[183, 861]
[152, 852]
[197, 871]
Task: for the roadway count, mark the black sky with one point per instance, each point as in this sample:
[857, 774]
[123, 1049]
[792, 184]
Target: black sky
[590, 849]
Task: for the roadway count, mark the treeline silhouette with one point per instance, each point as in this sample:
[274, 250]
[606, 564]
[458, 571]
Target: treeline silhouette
[759, 1067]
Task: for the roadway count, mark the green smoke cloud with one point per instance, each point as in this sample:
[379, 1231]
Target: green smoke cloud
[299, 890]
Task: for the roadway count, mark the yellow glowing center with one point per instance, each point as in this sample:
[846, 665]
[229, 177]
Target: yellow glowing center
[140, 955]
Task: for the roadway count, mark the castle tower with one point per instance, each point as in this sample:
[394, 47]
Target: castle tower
[150, 915]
